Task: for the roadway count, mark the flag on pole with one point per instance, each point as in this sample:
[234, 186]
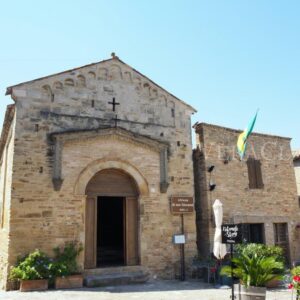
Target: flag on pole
[243, 137]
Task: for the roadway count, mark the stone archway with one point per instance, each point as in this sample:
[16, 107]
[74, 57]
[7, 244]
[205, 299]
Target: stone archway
[96, 166]
[112, 194]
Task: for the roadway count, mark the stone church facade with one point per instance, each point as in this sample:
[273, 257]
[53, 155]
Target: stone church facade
[73, 141]
[258, 192]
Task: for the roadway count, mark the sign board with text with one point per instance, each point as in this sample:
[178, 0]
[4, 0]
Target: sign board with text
[179, 239]
[182, 205]
[231, 234]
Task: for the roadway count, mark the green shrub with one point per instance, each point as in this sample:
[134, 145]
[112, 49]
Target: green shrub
[296, 271]
[255, 270]
[65, 259]
[37, 265]
[31, 267]
[261, 250]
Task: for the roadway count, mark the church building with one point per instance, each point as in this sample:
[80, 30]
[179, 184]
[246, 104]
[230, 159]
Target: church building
[95, 154]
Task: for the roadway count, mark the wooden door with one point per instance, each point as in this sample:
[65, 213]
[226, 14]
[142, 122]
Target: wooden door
[90, 248]
[131, 234]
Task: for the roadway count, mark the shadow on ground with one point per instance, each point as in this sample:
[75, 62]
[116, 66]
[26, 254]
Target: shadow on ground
[154, 286]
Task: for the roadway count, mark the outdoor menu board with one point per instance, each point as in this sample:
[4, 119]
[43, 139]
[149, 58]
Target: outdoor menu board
[231, 234]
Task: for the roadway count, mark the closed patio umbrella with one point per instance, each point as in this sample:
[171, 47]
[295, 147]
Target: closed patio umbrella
[219, 248]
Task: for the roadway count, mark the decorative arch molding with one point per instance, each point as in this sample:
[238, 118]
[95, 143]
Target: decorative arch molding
[60, 138]
[99, 165]
[47, 92]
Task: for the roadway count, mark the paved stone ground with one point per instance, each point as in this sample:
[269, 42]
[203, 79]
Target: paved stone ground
[158, 290]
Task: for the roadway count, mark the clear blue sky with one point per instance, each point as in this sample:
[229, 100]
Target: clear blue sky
[226, 58]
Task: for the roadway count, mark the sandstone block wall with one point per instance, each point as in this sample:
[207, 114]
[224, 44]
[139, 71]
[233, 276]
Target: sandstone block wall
[297, 173]
[6, 175]
[276, 203]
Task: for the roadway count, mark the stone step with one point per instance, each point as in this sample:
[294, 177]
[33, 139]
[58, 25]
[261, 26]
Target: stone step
[115, 276]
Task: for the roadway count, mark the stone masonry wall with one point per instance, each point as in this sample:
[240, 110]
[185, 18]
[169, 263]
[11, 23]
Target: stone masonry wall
[78, 100]
[6, 174]
[275, 203]
[297, 173]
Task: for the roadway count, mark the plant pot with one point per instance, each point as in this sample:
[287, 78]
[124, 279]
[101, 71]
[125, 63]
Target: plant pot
[69, 282]
[250, 293]
[225, 280]
[13, 285]
[34, 285]
[273, 283]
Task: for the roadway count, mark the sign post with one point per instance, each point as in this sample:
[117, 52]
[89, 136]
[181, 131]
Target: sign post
[231, 234]
[181, 206]
[182, 251]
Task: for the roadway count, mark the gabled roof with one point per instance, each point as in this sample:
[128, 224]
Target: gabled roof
[9, 89]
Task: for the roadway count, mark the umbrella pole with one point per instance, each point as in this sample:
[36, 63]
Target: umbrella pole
[231, 264]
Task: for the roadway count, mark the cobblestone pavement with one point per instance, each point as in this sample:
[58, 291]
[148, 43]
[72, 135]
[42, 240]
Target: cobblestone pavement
[158, 290]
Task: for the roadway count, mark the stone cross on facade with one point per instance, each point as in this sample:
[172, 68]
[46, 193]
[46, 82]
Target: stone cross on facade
[116, 120]
[114, 103]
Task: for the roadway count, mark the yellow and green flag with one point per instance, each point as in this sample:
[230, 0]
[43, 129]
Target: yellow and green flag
[243, 137]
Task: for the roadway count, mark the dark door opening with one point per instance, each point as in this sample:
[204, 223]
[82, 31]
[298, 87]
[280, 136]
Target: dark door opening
[110, 231]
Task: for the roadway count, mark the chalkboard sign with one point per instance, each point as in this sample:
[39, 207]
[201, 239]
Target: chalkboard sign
[231, 234]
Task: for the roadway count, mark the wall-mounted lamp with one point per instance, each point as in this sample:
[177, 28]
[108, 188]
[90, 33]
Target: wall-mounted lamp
[210, 168]
[212, 186]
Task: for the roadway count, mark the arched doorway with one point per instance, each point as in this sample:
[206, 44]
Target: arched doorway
[111, 220]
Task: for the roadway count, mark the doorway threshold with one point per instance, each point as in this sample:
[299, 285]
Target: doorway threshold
[116, 276]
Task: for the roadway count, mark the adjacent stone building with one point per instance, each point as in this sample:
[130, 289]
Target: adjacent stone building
[94, 154]
[259, 191]
[296, 158]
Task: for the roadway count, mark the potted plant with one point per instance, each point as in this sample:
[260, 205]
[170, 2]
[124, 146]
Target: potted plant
[64, 266]
[266, 251]
[32, 271]
[295, 284]
[254, 273]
